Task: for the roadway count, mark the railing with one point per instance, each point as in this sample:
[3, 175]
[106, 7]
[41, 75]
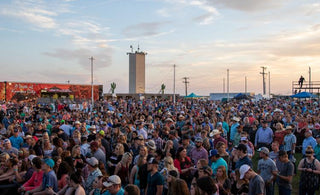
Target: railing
[312, 87]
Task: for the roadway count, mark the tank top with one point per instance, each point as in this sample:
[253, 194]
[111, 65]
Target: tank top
[136, 180]
[309, 179]
[123, 174]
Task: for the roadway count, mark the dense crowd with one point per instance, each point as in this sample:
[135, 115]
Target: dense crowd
[155, 147]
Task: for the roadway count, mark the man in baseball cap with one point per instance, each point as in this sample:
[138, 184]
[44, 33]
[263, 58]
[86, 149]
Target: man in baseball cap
[113, 185]
[95, 172]
[155, 179]
[267, 168]
[49, 181]
[256, 184]
[217, 161]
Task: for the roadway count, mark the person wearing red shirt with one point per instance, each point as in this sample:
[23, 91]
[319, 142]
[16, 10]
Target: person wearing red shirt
[36, 178]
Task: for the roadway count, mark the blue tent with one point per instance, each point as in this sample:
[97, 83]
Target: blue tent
[241, 96]
[192, 95]
[303, 95]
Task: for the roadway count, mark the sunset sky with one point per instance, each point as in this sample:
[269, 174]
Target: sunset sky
[51, 41]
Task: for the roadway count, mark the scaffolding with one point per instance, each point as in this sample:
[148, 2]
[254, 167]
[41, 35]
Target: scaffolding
[311, 87]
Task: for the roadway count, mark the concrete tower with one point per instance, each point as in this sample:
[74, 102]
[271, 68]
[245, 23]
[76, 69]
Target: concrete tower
[137, 69]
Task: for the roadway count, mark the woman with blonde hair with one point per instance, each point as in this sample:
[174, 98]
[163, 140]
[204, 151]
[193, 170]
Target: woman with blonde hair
[143, 151]
[134, 176]
[168, 149]
[310, 170]
[76, 155]
[279, 134]
[123, 139]
[115, 158]
[76, 136]
[122, 168]
[83, 131]
[168, 166]
[47, 147]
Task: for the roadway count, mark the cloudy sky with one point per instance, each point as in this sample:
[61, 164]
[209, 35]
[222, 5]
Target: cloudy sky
[51, 41]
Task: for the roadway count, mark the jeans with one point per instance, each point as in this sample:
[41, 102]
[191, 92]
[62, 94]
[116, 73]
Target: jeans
[284, 191]
[269, 188]
[306, 191]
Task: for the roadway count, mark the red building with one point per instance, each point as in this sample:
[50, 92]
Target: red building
[23, 90]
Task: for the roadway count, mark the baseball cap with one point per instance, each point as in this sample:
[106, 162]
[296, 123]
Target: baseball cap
[243, 170]
[213, 153]
[35, 138]
[242, 148]
[198, 139]
[101, 132]
[244, 139]
[113, 179]
[7, 141]
[264, 150]
[49, 162]
[92, 161]
[153, 161]
[308, 131]
[31, 157]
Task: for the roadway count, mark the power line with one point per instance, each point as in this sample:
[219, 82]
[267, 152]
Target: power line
[186, 82]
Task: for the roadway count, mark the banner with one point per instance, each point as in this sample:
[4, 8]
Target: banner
[19, 91]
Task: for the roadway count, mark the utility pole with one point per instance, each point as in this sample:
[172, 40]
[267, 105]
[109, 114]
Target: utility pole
[269, 84]
[263, 79]
[310, 90]
[245, 84]
[174, 84]
[186, 82]
[91, 59]
[228, 84]
[224, 85]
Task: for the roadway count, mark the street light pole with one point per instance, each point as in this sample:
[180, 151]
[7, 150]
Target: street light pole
[92, 100]
[174, 85]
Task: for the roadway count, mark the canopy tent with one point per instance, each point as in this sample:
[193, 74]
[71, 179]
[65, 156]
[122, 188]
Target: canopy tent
[304, 95]
[242, 96]
[192, 95]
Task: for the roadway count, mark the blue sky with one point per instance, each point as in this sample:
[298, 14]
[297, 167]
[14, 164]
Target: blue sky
[51, 41]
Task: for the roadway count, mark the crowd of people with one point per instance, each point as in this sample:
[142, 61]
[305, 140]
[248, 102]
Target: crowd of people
[157, 147]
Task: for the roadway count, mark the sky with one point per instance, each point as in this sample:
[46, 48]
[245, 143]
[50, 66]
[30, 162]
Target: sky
[52, 41]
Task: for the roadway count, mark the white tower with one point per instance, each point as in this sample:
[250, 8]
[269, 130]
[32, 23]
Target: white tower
[137, 71]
